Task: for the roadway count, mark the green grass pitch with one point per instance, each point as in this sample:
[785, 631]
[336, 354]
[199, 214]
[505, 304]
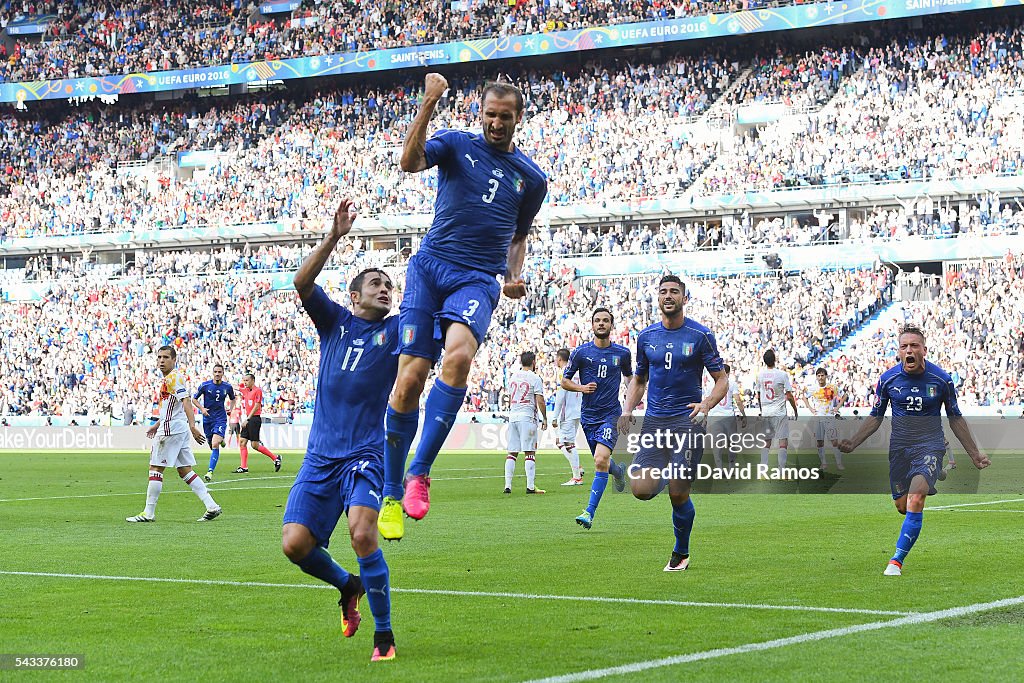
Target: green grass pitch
[748, 550]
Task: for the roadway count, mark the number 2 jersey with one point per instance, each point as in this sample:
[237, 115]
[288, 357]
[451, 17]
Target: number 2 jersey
[358, 365]
[917, 401]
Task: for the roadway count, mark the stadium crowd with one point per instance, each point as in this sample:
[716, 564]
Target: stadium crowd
[99, 361]
[974, 329]
[89, 38]
[603, 131]
[97, 335]
[925, 107]
[607, 130]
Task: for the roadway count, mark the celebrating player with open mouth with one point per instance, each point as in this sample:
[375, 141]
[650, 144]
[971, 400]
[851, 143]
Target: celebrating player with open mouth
[918, 389]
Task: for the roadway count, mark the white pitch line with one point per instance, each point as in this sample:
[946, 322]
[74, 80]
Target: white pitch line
[235, 481]
[985, 511]
[228, 488]
[473, 594]
[138, 493]
[967, 505]
[911, 620]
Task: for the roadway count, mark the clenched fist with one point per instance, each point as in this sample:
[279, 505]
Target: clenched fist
[436, 84]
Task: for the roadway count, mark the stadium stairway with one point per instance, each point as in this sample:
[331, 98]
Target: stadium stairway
[885, 318]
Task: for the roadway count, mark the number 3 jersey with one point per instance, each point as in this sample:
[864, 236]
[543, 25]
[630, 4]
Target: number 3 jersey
[917, 402]
[484, 197]
[358, 365]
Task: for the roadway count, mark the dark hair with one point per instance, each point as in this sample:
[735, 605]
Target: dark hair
[357, 282]
[249, 375]
[602, 309]
[911, 329]
[218, 365]
[563, 354]
[769, 358]
[725, 366]
[821, 371]
[503, 89]
[671, 278]
[527, 358]
[168, 347]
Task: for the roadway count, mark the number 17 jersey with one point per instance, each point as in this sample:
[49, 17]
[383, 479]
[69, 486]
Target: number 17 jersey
[358, 365]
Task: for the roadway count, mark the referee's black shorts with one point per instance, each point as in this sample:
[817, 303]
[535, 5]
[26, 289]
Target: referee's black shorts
[251, 429]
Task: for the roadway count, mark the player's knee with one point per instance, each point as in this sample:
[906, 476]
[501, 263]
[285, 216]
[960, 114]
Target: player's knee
[408, 388]
[364, 539]
[915, 502]
[295, 544]
[456, 365]
[678, 499]
[642, 489]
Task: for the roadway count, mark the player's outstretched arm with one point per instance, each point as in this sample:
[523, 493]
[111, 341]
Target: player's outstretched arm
[514, 287]
[963, 433]
[305, 276]
[634, 393]
[414, 154]
[869, 427]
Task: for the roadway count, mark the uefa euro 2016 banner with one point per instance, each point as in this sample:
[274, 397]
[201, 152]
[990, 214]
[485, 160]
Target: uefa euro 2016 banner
[506, 47]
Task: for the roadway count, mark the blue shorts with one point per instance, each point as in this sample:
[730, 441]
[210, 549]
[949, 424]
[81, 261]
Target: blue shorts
[668, 441]
[436, 291]
[325, 488]
[906, 463]
[605, 431]
[211, 427]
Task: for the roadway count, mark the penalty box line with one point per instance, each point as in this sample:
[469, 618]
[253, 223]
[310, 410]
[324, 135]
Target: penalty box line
[910, 620]
[479, 594]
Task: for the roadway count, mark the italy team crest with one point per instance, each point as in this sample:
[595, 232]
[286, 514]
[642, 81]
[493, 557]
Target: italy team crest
[379, 339]
[518, 184]
[688, 349]
[933, 391]
[408, 334]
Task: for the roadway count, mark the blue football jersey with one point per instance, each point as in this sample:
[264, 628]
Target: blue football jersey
[917, 402]
[604, 367]
[358, 365]
[484, 197]
[214, 396]
[674, 362]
